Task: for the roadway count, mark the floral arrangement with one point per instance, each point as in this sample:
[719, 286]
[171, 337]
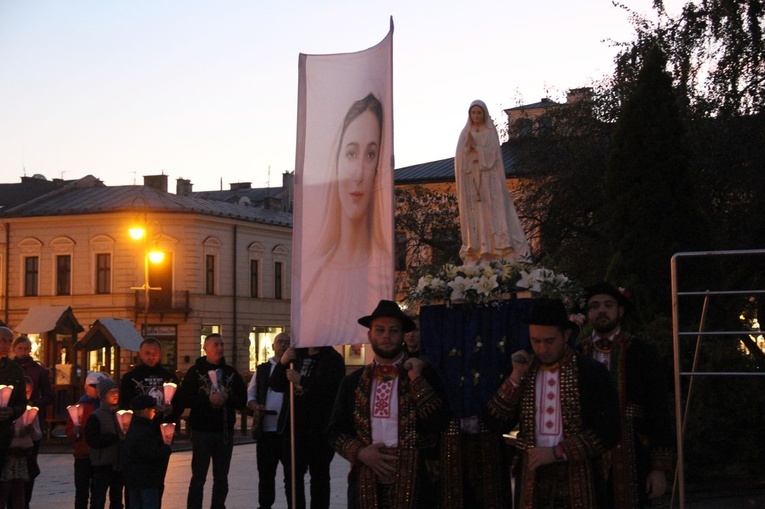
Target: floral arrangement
[489, 281]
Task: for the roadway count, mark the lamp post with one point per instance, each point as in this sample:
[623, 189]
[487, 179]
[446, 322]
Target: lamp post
[154, 255]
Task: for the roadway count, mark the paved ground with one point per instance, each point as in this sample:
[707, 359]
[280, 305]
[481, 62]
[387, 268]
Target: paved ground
[55, 487]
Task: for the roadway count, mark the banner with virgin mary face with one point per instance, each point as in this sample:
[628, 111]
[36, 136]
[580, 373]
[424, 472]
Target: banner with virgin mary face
[343, 224]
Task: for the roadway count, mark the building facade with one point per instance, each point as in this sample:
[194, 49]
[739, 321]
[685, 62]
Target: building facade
[226, 269]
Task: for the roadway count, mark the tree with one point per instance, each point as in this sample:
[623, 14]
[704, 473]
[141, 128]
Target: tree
[427, 222]
[652, 211]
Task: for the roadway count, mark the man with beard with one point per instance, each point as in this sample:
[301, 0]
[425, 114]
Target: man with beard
[640, 461]
[380, 412]
[567, 414]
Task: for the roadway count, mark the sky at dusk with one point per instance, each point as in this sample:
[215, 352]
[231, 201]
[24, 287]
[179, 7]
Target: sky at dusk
[207, 91]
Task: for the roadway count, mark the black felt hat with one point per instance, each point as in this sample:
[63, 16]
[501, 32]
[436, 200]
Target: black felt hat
[549, 312]
[388, 308]
[604, 288]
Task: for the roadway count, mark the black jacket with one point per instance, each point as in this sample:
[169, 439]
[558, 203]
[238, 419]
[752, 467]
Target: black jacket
[321, 375]
[194, 393]
[144, 454]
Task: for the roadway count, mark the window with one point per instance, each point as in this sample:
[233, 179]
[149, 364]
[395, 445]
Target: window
[210, 274]
[254, 278]
[64, 275]
[31, 273]
[278, 266]
[103, 273]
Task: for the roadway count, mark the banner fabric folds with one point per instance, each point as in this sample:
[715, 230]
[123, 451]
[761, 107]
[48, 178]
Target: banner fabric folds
[343, 225]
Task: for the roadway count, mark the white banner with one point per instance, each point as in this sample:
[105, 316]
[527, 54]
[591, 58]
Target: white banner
[343, 223]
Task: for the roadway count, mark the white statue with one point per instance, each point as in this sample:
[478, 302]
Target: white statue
[488, 221]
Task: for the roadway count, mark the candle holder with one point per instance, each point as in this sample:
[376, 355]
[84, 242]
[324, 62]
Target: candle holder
[75, 413]
[123, 418]
[169, 389]
[5, 394]
[168, 430]
[29, 416]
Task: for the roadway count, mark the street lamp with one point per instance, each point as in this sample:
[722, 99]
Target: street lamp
[155, 255]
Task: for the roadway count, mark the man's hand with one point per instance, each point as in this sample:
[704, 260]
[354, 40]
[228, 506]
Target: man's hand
[414, 367]
[294, 377]
[289, 356]
[218, 399]
[380, 463]
[6, 413]
[656, 483]
[539, 456]
[521, 362]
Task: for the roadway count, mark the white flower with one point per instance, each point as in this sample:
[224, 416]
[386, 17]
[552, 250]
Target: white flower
[468, 271]
[529, 281]
[450, 271]
[486, 284]
[560, 280]
[459, 286]
[424, 283]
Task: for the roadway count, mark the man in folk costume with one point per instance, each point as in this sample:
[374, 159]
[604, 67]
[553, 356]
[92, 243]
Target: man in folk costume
[567, 413]
[639, 463]
[380, 412]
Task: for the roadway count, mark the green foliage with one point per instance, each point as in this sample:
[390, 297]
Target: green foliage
[651, 207]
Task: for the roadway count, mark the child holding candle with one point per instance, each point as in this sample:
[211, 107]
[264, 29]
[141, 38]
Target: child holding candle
[21, 466]
[75, 425]
[144, 456]
[104, 436]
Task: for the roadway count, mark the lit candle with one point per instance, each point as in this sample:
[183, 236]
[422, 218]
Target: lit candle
[75, 413]
[5, 394]
[29, 416]
[123, 418]
[168, 430]
[169, 389]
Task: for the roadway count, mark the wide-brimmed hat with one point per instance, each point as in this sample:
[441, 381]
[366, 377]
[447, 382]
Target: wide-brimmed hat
[604, 288]
[388, 308]
[549, 312]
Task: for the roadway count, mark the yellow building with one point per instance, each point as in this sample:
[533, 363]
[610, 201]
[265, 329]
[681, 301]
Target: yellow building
[226, 269]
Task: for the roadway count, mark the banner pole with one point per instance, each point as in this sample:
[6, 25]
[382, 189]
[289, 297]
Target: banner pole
[292, 440]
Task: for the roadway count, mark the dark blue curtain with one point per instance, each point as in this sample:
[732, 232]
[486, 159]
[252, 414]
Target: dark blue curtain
[470, 348]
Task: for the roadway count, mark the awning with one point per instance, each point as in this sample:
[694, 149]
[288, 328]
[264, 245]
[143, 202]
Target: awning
[107, 332]
[45, 318]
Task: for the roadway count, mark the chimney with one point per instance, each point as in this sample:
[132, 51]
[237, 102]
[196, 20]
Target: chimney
[158, 182]
[183, 187]
[579, 94]
[237, 186]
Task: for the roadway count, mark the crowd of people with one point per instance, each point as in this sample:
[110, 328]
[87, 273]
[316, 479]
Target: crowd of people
[592, 421]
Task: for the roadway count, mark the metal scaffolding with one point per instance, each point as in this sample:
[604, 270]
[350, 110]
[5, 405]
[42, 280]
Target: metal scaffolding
[681, 413]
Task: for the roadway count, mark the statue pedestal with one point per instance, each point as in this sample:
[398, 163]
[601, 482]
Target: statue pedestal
[470, 347]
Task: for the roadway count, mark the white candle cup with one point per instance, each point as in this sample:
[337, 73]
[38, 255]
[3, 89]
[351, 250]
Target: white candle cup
[75, 413]
[213, 379]
[30, 415]
[169, 389]
[5, 394]
[168, 430]
[123, 418]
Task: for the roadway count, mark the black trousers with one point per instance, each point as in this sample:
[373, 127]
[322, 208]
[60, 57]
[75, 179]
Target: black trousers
[313, 455]
[269, 454]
